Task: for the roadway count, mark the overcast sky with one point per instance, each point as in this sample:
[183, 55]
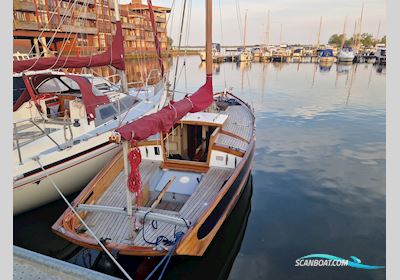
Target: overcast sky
[299, 19]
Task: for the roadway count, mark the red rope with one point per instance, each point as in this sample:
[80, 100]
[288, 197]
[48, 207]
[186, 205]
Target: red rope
[134, 179]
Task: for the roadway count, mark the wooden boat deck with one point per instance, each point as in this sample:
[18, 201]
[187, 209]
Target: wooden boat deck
[240, 122]
[119, 229]
[193, 208]
[112, 225]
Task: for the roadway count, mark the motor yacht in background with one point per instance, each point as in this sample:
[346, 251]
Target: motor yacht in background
[346, 55]
[326, 55]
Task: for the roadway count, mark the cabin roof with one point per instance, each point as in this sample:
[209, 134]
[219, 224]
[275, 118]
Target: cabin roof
[204, 118]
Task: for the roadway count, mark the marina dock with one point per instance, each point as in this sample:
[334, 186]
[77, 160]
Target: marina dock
[32, 265]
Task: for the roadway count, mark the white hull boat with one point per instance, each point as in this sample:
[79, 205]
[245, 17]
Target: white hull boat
[63, 120]
[76, 160]
[345, 55]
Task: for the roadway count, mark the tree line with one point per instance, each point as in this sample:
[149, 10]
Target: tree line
[366, 39]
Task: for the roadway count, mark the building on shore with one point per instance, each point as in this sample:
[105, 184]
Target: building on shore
[83, 27]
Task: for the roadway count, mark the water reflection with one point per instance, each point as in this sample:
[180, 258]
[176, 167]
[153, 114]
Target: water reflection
[325, 66]
[319, 173]
[343, 68]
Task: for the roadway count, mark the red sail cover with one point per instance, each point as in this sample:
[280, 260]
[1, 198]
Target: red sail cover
[90, 100]
[163, 120]
[114, 56]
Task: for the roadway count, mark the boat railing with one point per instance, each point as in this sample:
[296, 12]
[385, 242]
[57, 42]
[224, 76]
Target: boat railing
[31, 130]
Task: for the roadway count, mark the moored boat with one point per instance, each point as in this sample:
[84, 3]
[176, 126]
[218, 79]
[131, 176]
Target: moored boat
[326, 55]
[64, 119]
[346, 55]
[177, 179]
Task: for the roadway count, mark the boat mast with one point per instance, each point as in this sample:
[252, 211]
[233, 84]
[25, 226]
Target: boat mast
[121, 73]
[268, 29]
[209, 38]
[244, 33]
[355, 35]
[344, 33]
[377, 33]
[358, 42]
[319, 31]
[280, 36]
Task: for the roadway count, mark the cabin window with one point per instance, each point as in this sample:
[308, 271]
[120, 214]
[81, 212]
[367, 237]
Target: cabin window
[70, 83]
[106, 112]
[157, 151]
[18, 88]
[52, 85]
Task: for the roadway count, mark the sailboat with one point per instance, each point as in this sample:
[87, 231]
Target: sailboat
[244, 55]
[178, 177]
[64, 120]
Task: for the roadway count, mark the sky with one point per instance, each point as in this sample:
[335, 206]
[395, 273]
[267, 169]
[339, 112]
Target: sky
[299, 20]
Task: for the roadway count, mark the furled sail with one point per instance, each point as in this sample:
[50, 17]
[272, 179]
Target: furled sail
[163, 120]
[113, 56]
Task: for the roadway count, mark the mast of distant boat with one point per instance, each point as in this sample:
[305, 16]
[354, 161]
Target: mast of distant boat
[268, 30]
[319, 32]
[244, 33]
[343, 34]
[377, 33]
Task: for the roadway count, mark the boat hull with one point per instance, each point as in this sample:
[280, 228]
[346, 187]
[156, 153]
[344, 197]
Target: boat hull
[198, 237]
[326, 59]
[70, 176]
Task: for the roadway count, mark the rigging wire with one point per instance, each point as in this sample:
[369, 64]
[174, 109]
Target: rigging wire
[171, 17]
[188, 18]
[179, 47]
[239, 20]
[52, 38]
[45, 27]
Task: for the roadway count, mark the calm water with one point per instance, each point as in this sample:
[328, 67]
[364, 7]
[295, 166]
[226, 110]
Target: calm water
[318, 183]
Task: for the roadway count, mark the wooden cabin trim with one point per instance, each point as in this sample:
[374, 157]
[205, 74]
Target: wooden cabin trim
[200, 123]
[149, 143]
[234, 136]
[220, 148]
[211, 144]
[185, 165]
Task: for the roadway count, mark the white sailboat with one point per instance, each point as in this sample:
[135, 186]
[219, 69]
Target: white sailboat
[64, 119]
